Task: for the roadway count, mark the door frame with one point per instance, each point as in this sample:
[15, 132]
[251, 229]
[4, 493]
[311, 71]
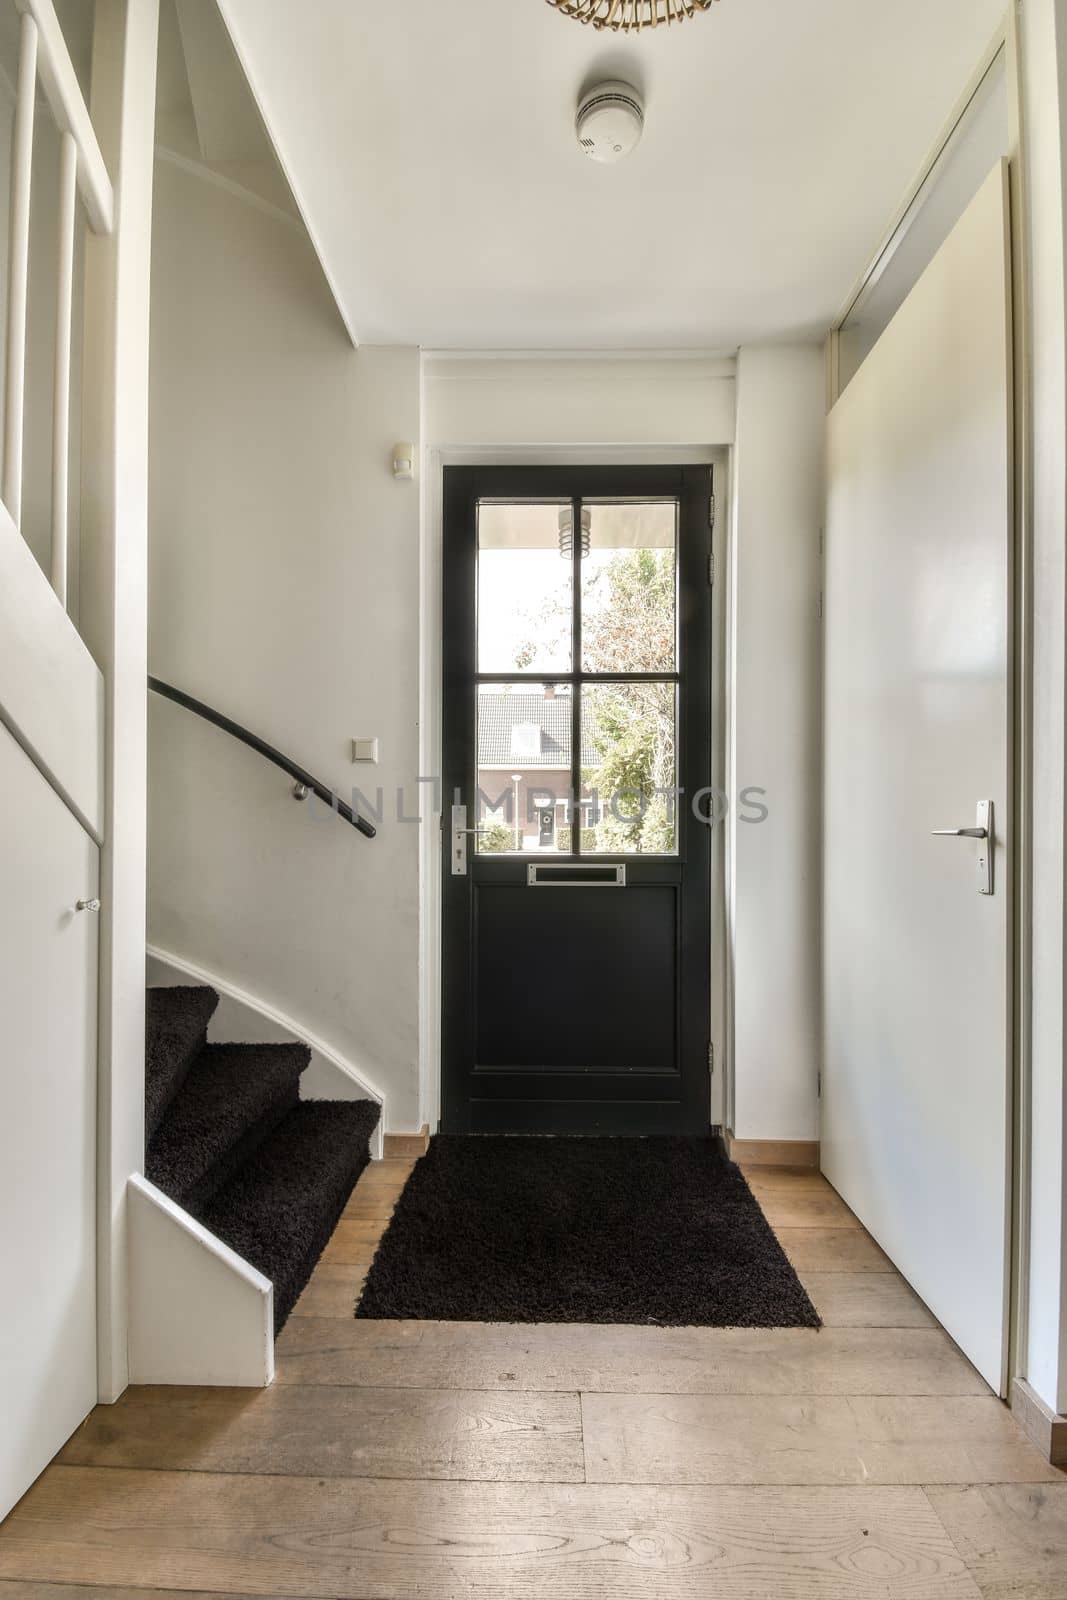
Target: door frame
[693, 488]
[431, 682]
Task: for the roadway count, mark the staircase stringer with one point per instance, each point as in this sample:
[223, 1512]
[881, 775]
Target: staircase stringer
[198, 1313]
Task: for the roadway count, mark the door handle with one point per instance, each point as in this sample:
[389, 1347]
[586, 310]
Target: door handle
[87, 905]
[984, 834]
[460, 834]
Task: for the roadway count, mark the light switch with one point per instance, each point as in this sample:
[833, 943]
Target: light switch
[365, 750]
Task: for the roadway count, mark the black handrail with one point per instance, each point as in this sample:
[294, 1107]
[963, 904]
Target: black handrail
[169, 692]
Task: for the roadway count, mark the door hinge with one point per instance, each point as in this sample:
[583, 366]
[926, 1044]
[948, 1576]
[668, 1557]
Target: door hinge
[711, 513]
[711, 1059]
[711, 569]
[821, 605]
[818, 1085]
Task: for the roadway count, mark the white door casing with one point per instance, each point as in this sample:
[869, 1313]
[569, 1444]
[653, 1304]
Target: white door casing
[48, 1000]
[917, 1019]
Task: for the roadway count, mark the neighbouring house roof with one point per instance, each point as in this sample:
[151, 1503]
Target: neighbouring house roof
[527, 732]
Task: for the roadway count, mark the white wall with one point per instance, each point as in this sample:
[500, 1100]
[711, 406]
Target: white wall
[284, 588]
[576, 402]
[274, 514]
[775, 741]
[1044, 54]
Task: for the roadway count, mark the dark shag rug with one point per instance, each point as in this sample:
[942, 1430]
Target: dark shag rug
[660, 1230]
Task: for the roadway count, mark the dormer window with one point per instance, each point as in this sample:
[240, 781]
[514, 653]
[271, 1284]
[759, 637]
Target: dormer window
[526, 741]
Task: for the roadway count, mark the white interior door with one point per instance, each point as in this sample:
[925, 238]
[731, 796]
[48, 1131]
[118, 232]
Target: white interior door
[48, 1001]
[916, 1081]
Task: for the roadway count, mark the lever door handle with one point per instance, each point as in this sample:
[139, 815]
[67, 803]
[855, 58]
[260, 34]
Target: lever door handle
[460, 834]
[984, 834]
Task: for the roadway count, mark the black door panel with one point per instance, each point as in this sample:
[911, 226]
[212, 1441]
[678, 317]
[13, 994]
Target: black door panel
[573, 1001]
[558, 985]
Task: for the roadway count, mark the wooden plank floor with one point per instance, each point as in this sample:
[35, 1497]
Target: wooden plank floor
[459, 1461]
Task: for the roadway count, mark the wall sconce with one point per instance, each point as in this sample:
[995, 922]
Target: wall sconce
[404, 462]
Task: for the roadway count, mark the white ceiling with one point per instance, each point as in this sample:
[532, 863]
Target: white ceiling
[430, 144]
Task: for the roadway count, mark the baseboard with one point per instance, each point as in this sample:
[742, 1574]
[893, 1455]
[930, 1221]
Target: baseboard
[1045, 1428]
[407, 1145]
[772, 1152]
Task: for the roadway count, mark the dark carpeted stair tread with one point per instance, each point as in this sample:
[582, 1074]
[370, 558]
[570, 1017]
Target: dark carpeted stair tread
[232, 1098]
[279, 1211]
[176, 1022]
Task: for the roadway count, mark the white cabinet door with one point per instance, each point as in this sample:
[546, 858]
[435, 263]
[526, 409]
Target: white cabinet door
[48, 988]
[916, 1079]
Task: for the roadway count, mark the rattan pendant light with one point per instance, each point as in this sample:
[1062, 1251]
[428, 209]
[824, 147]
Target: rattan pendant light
[630, 16]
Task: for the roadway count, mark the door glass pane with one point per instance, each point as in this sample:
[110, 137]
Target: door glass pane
[629, 606]
[524, 768]
[629, 738]
[524, 586]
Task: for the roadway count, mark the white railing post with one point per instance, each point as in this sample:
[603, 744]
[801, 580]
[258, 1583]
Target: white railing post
[59, 85]
[18, 268]
[113, 611]
[68, 195]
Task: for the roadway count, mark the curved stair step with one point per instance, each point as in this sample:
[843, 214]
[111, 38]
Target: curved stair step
[176, 1022]
[280, 1209]
[231, 1100]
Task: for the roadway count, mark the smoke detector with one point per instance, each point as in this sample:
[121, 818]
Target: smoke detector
[610, 121]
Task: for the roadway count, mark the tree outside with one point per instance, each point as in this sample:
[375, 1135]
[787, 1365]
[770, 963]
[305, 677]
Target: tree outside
[628, 625]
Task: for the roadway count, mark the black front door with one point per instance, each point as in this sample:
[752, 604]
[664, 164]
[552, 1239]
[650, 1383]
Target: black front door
[577, 759]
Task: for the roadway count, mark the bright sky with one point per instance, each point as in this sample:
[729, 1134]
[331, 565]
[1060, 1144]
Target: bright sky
[514, 587]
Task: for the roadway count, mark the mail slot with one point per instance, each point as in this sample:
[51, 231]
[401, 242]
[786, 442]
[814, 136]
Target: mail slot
[576, 875]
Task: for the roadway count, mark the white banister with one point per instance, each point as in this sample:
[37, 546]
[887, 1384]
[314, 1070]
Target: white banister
[67, 103]
[68, 197]
[18, 268]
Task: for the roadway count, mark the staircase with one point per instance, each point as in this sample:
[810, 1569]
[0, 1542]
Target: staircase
[229, 1139]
